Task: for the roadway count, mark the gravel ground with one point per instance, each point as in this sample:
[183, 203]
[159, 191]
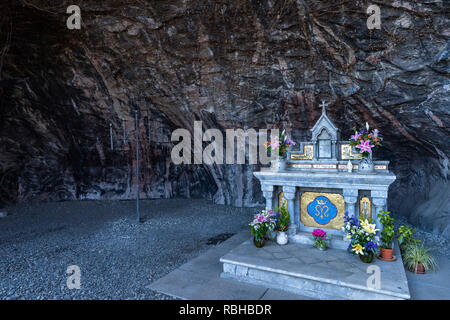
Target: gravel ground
[118, 258]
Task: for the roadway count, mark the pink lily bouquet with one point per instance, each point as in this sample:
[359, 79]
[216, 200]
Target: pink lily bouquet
[282, 143]
[364, 141]
[262, 223]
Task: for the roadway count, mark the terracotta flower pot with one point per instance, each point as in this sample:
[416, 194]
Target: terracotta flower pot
[420, 269]
[387, 253]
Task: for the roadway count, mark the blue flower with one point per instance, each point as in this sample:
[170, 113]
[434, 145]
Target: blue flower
[371, 246]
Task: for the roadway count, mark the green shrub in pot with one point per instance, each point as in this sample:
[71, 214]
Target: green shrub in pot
[417, 255]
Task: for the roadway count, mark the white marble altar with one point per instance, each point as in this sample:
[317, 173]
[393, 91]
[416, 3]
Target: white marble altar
[318, 187]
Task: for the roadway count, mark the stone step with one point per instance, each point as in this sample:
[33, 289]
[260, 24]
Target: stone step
[304, 270]
[336, 242]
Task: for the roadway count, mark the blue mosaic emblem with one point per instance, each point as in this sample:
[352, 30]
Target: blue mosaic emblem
[322, 210]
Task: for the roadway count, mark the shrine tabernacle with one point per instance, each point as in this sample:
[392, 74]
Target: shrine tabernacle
[318, 187]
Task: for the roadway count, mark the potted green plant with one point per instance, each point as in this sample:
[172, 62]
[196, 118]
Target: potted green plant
[418, 259]
[386, 235]
[405, 236]
[282, 219]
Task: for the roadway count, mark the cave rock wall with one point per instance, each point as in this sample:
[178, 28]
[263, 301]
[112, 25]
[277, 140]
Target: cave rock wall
[230, 64]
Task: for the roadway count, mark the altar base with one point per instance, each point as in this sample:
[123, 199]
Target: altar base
[302, 269]
[336, 241]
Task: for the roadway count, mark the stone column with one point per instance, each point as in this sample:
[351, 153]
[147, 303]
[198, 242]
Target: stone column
[333, 149]
[350, 197]
[315, 150]
[268, 194]
[379, 200]
[289, 194]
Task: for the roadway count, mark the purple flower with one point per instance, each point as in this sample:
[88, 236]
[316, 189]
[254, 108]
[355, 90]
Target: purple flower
[275, 143]
[352, 220]
[375, 133]
[290, 142]
[371, 246]
[356, 136]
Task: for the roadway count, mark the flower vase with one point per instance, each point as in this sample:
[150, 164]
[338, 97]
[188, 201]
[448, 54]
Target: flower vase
[366, 164]
[282, 238]
[320, 244]
[259, 243]
[367, 257]
[279, 164]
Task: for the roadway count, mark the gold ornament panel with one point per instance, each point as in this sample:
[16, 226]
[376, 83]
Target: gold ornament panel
[336, 199]
[347, 153]
[365, 208]
[344, 167]
[300, 166]
[306, 155]
[380, 167]
[324, 166]
[281, 199]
